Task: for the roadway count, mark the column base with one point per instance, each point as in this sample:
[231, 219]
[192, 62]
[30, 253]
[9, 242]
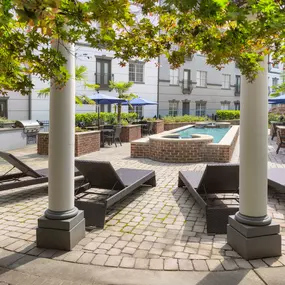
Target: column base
[253, 242]
[60, 234]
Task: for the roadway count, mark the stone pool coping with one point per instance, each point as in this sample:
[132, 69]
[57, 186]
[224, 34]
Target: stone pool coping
[199, 148]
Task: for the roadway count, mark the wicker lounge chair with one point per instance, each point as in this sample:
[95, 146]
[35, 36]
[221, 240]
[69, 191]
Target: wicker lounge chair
[216, 191]
[276, 179]
[281, 141]
[105, 186]
[26, 177]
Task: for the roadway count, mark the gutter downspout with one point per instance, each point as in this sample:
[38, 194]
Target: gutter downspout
[30, 102]
[158, 74]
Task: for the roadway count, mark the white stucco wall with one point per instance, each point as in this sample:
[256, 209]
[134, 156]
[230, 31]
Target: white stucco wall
[18, 105]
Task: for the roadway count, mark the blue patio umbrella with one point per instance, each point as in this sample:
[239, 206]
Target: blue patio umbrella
[100, 98]
[277, 100]
[139, 102]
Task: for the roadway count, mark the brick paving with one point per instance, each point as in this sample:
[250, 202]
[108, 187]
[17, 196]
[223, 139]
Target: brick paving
[159, 228]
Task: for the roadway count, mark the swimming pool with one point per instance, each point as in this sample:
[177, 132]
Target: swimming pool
[216, 133]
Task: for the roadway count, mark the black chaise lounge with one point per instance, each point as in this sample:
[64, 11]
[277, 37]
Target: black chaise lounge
[105, 186]
[26, 177]
[216, 190]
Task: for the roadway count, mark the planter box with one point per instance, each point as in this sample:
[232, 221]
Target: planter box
[85, 142]
[158, 126]
[131, 133]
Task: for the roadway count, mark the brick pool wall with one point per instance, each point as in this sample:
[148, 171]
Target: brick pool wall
[198, 149]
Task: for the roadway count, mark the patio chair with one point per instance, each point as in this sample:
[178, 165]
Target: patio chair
[108, 137]
[281, 141]
[147, 128]
[216, 191]
[117, 135]
[106, 186]
[26, 177]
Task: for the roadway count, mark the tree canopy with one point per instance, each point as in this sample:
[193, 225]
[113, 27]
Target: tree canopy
[222, 30]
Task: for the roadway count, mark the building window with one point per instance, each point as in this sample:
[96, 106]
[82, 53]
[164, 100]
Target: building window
[225, 105]
[201, 108]
[136, 72]
[237, 85]
[186, 82]
[226, 83]
[106, 108]
[173, 108]
[174, 76]
[275, 82]
[3, 108]
[237, 105]
[103, 73]
[136, 109]
[201, 79]
[185, 108]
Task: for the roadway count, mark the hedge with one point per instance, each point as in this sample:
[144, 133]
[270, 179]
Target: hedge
[185, 118]
[227, 114]
[110, 118]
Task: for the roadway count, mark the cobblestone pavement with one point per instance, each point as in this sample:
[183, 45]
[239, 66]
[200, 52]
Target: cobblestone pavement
[159, 228]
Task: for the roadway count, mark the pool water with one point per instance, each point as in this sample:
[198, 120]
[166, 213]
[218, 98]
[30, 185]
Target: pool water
[216, 133]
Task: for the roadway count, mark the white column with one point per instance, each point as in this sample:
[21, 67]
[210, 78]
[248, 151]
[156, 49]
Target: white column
[253, 150]
[61, 141]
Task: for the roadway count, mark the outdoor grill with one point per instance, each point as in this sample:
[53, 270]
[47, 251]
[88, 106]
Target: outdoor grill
[30, 128]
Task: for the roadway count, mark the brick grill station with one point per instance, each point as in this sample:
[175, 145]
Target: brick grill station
[85, 142]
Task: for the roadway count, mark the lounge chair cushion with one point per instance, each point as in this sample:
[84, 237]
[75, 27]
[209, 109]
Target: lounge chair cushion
[276, 179]
[220, 178]
[100, 174]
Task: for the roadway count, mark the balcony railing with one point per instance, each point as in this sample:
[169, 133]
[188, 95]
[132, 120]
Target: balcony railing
[103, 80]
[187, 86]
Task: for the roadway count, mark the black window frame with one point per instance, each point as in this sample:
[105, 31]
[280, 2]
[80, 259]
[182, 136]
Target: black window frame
[99, 76]
[4, 101]
[238, 85]
[188, 108]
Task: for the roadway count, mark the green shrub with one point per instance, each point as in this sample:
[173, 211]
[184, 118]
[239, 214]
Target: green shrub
[5, 120]
[185, 118]
[273, 117]
[227, 114]
[109, 118]
[79, 130]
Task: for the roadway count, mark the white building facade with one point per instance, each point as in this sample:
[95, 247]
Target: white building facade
[101, 68]
[196, 88]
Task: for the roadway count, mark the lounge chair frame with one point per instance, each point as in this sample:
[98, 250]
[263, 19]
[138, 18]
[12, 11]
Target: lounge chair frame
[281, 143]
[26, 177]
[109, 186]
[203, 186]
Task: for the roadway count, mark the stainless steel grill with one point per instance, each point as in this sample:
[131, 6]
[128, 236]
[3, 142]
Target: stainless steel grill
[30, 128]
